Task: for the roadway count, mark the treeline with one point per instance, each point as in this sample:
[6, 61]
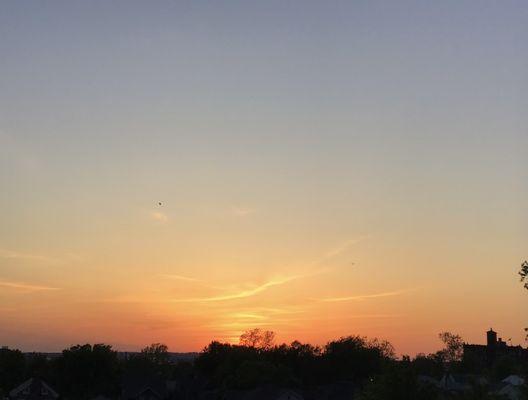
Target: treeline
[85, 371]
[90, 370]
[371, 365]
[351, 358]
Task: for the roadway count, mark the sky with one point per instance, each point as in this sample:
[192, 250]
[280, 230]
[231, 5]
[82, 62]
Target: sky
[323, 168]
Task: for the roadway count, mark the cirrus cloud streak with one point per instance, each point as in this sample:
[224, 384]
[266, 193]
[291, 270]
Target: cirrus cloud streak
[25, 287]
[366, 296]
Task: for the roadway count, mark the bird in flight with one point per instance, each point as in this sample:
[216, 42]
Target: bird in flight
[159, 203]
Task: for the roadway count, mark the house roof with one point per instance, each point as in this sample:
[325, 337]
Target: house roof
[133, 386]
[34, 386]
[454, 382]
[514, 380]
[510, 391]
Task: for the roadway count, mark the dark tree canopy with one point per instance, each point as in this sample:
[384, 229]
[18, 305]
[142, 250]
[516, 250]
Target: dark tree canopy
[157, 353]
[364, 369]
[453, 347]
[356, 358]
[524, 273]
[244, 366]
[257, 338]
[89, 369]
[524, 278]
[12, 366]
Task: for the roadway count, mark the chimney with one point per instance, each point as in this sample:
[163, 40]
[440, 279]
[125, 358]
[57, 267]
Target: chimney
[492, 338]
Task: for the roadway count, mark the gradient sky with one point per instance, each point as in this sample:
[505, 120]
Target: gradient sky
[325, 168]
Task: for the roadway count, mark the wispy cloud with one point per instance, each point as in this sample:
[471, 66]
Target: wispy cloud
[190, 280]
[246, 316]
[124, 299]
[241, 294]
[25, 287]
[179, 278]
[250, 292]
[366, 296]
[159, 216]
[242, 325]
[250, 316]
[339, 249]
[16, 255]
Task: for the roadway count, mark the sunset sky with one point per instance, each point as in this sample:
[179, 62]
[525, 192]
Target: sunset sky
[324, 168]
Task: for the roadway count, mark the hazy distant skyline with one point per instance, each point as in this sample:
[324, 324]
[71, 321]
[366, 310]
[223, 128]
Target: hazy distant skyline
[324, 168]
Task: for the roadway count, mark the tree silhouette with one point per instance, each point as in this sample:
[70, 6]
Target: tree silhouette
[524, 278]
[157, 353]
[355, 358]
[87, 370]
[12, 366]
[398, 382]
[257, 338]
[454, 347]
[153, 360]
[524, 274]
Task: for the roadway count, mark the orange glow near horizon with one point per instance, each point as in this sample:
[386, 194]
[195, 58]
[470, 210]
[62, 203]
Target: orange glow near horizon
[325, 299]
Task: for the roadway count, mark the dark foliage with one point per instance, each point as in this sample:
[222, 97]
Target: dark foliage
[368, 366]
[398, 382]
[90, 370]
[351, 358]
[12, 368]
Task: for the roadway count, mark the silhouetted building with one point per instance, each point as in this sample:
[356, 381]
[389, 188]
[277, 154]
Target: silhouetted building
[144, 388]
[33, 389]
[494, 349]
